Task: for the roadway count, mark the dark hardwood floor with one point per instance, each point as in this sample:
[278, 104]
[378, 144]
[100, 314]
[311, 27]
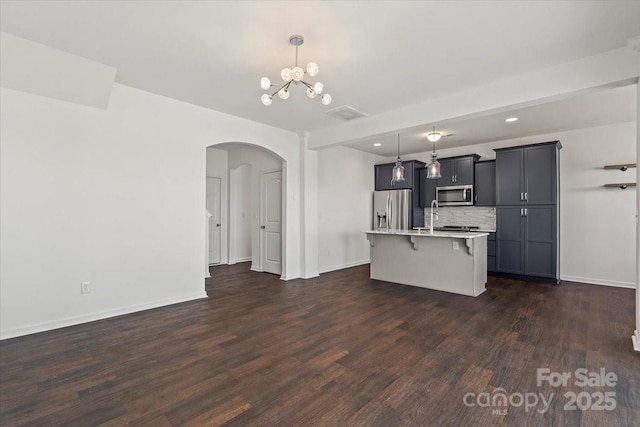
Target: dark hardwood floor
[336, 350]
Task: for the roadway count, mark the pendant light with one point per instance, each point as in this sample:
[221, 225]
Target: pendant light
[433, 168]
[398, 169]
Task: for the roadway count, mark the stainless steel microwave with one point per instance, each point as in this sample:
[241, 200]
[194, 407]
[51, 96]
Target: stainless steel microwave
[456, 195]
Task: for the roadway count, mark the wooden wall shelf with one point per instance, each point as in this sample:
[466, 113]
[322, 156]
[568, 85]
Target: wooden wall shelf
[621, 185]
[622, 167]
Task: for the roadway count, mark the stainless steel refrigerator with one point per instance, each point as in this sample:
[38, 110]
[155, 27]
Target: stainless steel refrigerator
[392, 210]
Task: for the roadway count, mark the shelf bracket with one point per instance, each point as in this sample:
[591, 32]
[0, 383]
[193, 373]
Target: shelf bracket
[370, 239]
[414, 241]
[622, 167]
[621, 185]
[469, 243]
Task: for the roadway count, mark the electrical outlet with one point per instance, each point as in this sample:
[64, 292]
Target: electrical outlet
[455, 246]
[85, 287]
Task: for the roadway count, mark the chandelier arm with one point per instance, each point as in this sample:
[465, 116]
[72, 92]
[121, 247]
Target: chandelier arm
[285, 87]
[274, 93]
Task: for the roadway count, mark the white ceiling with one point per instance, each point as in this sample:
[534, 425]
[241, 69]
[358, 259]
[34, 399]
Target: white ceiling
[603, 107]
[374, 56]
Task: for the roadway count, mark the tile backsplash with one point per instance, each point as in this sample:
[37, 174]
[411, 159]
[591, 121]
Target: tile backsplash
[485, 218]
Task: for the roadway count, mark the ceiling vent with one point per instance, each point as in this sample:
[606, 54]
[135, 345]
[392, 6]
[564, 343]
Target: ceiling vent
[345, 113]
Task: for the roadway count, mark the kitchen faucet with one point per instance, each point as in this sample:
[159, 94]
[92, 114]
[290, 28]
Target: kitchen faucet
[434, 211]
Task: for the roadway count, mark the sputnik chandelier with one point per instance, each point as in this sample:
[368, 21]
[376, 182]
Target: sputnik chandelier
[295, 75]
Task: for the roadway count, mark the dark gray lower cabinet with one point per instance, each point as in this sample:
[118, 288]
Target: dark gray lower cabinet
[540, 241]
[510, 236]
[526, 240]
[491, 252]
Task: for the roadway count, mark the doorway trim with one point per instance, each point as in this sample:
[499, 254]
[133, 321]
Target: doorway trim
[221, 219]
[259, 266]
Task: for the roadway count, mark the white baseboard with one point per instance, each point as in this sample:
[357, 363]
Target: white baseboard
[600, 282]
[343, 266]
[636, 340]
[76, 320]
[309, 276]
[256, 269]
[237, 260]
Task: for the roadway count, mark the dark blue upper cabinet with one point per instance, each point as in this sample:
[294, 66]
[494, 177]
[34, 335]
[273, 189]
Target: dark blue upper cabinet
[485, 185]
[527, 175]
[447, 172]
[509, 177]
[384, 173]
[540, 174]
[457, 170]
[427, 189]
[464, 170]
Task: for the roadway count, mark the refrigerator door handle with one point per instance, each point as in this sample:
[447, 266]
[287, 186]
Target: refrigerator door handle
[389, 211]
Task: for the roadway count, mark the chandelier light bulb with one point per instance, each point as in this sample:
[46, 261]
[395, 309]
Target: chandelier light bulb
[317, 88]
[265, 83]
[286, 74]
[297, 74]
[326, 99]
[311, 93]
[283, 94]
[266, 99]
[312, 69]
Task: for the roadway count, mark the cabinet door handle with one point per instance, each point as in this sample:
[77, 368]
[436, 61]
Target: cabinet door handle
[526, 197]
[525, 212]
[521, 196]
[521, 212]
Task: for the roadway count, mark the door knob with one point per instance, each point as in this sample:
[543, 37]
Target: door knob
[217, 225]
[263, 227]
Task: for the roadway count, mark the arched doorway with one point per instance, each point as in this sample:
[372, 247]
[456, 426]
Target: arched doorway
[250, 226]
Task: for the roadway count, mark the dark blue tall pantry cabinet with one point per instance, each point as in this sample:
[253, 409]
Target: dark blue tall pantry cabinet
[527, 191]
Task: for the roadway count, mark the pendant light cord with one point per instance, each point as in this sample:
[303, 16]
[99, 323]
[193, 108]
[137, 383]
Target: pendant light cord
[434, 143]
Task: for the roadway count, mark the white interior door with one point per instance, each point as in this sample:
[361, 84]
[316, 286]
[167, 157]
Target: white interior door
[271, 222]
[213, 206]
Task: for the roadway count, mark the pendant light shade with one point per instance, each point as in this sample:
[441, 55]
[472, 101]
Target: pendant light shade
[398, 169]
[433, 168]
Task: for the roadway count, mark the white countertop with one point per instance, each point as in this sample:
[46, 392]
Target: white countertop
[426, 233]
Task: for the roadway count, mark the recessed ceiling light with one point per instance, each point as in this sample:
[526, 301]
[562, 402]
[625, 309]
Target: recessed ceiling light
[377, 144]
[511, 119]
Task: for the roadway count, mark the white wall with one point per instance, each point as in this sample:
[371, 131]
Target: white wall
[217, 167]
[115, 197]
[345, 198]
[596, 224]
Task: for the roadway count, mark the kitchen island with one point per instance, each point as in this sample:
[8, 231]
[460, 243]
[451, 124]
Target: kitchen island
[446, 261]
